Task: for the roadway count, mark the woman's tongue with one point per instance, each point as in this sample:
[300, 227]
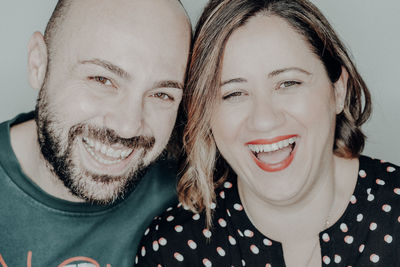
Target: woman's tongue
[275, 156]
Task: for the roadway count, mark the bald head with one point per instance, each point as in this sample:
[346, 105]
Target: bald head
[61, 11]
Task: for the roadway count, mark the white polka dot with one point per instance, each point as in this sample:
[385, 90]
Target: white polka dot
[337, 259]
[248, 233]
[369, 191]
[360, 217]
[326, 259]
[374, 258]
[222, 222]
[361, 248]
[353, 199]
[169, 209]
[370, 197]
[397, 191]
[207, 262]
[325, 237]
[243, 263]
[362, 174]
[228, 212]
[156, 246]
[136, 259]
[238, 207]
[192, 244]
[388, 239]
[178, 228]
[179, 205]
[207, 233]
[373, 226]
[227, 185]
[162, 241]
[221, 251]
[157, 226]
[170, 218]
[348, 239]
[344, 228]
[380, 182]
[222, 194]
[143, 251]
[232, 240]
[213, 206]
[147, 231]
[390, 169]
[267, 242]
[196, 217]
[186, 207]
[254, 249]
[178, 256]
[386, 208]
[240, 233]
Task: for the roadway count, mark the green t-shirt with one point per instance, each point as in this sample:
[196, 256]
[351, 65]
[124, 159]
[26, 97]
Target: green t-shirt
[37, 229]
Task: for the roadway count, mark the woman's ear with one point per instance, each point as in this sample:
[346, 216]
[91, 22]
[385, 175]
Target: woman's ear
[37, 60]
[340, 87]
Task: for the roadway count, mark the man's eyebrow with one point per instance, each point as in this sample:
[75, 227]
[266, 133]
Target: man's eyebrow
[279, 71]
[107, 65]
[236, 80]
[168, 84]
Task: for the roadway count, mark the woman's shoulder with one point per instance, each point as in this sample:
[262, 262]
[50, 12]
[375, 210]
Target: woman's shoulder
[379, 182]
[373, 167]
[180, 235]
[170, 233]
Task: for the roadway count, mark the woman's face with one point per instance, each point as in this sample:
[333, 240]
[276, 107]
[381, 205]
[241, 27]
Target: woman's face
[275, 119]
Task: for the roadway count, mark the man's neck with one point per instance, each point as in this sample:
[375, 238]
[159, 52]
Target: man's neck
[24, 142]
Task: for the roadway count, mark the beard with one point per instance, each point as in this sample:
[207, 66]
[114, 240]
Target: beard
[59, 146]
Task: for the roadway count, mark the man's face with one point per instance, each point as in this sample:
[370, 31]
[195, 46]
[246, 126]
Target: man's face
[110, 99]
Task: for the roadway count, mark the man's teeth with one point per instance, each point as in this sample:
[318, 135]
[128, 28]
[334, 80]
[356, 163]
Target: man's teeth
[117, 155]
[272, 147]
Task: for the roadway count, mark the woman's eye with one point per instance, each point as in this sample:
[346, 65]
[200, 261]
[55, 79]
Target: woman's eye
[162, 96]
[287, 84]
[102, 80]
[232, 95]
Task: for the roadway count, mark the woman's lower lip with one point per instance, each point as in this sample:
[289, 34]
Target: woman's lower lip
[274, 167]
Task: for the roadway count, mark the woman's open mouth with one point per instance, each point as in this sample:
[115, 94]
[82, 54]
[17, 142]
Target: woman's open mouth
[275, 154]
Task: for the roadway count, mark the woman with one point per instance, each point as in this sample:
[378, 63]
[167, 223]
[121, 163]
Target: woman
[274, 175]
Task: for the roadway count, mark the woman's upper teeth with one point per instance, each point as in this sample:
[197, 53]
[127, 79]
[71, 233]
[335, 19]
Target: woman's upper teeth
[272, 147]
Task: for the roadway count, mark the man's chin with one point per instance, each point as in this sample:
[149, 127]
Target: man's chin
[104, 189]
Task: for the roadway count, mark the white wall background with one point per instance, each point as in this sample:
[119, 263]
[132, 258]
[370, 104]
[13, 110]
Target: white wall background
[369, 28]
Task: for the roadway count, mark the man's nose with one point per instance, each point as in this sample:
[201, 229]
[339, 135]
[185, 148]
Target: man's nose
[126, 117]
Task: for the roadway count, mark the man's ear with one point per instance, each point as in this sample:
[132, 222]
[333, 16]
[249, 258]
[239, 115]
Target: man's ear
[340, 87]
[37, 60]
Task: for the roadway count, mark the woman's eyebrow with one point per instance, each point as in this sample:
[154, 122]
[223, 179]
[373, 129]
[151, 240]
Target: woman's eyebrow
[279, 71]
[235, 80]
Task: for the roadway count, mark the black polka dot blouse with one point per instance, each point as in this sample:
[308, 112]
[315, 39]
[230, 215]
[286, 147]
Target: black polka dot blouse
[367, 234]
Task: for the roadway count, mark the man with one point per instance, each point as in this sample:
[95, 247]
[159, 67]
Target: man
[77, 181]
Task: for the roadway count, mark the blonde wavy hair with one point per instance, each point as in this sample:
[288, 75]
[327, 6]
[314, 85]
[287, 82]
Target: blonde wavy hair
[205, 169]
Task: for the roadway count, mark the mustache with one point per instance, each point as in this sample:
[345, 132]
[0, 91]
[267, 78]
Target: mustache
[110, 136]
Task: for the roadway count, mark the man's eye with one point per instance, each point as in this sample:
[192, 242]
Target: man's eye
[102, 80]
[163, 96]
[287, 84]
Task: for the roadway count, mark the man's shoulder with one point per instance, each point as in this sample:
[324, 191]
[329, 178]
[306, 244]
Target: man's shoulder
[158, 186]
[162, 173]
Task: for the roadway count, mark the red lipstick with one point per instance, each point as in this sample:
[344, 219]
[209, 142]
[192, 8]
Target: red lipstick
[273, 167]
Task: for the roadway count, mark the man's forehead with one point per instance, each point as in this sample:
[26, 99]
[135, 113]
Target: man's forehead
[125, 9]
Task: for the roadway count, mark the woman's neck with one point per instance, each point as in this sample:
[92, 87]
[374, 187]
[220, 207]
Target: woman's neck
[307, 216]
